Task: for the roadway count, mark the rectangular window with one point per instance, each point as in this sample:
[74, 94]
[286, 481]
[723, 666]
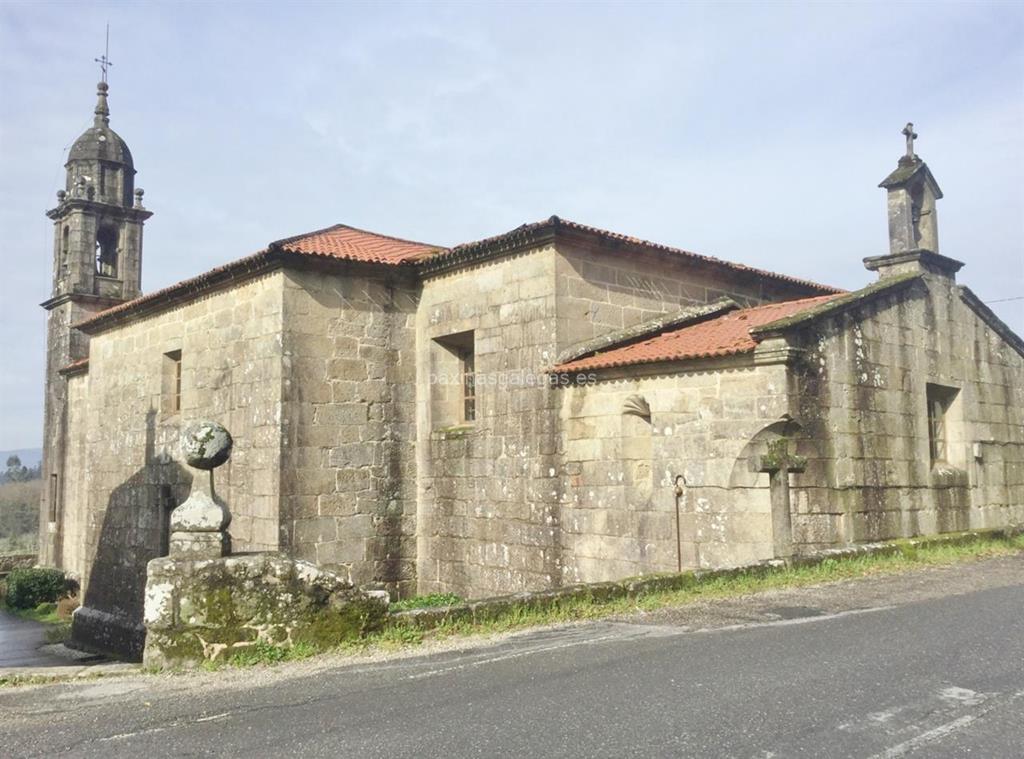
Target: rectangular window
[468, 386]
[940, 401]
[171, 383]
[53, 498]
[453, 380]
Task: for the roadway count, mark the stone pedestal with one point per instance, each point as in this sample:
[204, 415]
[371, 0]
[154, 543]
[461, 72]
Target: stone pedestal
[199, 525]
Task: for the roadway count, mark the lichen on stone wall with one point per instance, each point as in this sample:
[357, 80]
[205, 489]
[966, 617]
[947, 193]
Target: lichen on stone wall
[211, 609]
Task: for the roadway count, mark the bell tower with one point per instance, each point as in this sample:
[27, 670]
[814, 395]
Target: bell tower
[99, 216]
[97, 263]
[911, 195]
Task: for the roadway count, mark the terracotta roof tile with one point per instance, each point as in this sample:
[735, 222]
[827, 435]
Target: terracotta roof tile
[142, 304]
[348, 243]
[75, 366]
[344, 243]
[720, 336]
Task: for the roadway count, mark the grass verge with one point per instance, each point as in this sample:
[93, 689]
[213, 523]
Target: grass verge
[905, 557]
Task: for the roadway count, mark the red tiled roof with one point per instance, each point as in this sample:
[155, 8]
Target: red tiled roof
[721, 336]
[239, 268]
[344, 243]
[340, 242]
[348, 243]
[75, 366]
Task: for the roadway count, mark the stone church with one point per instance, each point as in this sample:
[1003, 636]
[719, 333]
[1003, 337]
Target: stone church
[553, 405]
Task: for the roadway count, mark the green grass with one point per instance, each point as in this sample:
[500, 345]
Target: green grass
[396, 634]
[44, 612]
[831, 570]
[430, 601]
[268, 653]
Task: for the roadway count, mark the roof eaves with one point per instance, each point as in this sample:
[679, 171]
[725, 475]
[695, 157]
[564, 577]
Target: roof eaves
[988, 316]
[667, 363]
[529, 235]
[159, 300]
[637, 243]
[522, 237]
[835, 305]
[81, 366]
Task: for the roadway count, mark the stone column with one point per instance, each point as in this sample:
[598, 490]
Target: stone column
[778, 462]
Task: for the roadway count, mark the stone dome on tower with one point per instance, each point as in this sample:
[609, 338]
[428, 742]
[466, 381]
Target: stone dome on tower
[100, 165]
[100, 142]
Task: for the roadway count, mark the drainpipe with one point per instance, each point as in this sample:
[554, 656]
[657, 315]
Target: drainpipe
[680, 492]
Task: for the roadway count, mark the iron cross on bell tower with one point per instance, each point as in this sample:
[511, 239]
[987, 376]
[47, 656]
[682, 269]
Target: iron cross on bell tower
[104, 60]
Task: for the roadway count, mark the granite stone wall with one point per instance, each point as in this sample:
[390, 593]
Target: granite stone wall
[230, 344]
[487, 507]
[348, 492]
[863, 391]
[674, 489]
[602, 289]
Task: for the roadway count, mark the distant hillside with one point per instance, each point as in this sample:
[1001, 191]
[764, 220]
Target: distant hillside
[30, 457]
[19, 517]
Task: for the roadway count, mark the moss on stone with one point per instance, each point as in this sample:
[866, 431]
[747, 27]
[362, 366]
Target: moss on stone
[230, 605]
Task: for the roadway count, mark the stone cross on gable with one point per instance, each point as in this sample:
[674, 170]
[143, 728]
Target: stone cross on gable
[911, 135]
[778, 462]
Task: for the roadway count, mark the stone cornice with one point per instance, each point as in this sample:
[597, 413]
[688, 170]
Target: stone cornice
[162, 300]
[103, 209]
[522, 238]
[224, 277]
[926, 257]
[994, 323]
[835, 306]
[62, 298]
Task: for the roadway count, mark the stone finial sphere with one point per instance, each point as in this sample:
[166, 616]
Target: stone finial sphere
[206, 444]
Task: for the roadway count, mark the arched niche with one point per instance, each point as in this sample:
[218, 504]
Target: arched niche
[637, 449]
[741, 475]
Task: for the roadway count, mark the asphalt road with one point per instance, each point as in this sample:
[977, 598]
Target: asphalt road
[20, 642]
[938, 677]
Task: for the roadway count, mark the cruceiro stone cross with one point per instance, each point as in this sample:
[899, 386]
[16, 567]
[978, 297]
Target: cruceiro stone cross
[911, 135]
[198, 526]
[778, 463]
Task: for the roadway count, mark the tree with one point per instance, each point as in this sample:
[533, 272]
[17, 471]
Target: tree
[15, 471]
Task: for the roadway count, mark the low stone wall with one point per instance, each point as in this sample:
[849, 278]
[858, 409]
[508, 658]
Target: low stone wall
[208, 609]
[492, 608]
[15, 561]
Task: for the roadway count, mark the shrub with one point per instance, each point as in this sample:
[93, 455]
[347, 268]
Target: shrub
[27, 588]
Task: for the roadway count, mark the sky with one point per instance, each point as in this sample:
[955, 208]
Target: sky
[754, 132]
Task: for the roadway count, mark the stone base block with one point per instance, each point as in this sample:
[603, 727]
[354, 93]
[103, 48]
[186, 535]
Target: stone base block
[209, 609]
[104, 633]
[191, 546]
